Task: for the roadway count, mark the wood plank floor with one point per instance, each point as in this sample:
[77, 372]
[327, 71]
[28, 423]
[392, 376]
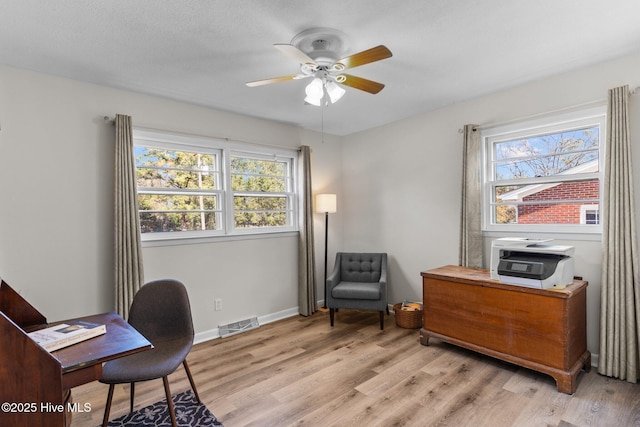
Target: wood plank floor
[301, 372]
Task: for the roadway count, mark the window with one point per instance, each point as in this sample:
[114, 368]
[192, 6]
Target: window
[590, 214]
[262, 190]
[192, 187]
[178, 189]
[545, 175]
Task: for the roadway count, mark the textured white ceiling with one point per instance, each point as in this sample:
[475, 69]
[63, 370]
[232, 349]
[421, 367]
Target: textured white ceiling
[203, 51]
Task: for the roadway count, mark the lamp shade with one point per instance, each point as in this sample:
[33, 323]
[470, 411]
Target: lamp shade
[315, 92]
[334, 91]
[326, 203]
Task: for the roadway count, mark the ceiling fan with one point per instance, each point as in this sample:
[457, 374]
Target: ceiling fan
[318, 53]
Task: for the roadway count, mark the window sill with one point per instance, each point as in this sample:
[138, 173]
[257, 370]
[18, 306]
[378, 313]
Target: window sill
[554, 235]
[190, 240]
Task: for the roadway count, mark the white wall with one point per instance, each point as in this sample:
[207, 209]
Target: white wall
[56, 202]
[402, 181]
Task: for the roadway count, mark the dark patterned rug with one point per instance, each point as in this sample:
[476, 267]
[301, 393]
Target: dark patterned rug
[189, 413]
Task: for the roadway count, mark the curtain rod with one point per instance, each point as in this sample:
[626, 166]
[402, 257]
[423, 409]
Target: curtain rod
[112, 121]
[559, 110]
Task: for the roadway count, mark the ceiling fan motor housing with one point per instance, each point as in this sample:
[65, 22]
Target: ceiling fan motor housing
[323, 45]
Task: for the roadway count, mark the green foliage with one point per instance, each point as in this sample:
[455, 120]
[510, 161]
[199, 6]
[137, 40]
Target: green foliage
[254, 179]
[168, 170]
[258, 186]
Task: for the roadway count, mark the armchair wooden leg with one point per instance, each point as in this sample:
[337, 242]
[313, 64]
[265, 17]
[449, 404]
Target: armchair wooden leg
[331, 314]
[107, 406]
[167, 391]
[382, 320]
[193, 384]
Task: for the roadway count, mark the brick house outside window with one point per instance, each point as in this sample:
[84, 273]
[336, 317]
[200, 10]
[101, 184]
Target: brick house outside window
[554, 207]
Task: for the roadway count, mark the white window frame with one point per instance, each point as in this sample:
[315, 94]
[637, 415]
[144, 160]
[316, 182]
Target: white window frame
[584, 209]
[587, 117]
[289, 193]
[224, 149]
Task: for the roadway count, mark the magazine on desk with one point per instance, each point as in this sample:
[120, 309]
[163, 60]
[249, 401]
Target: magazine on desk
[66, 334]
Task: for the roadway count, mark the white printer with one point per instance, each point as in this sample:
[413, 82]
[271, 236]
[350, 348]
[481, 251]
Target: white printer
[531, 263]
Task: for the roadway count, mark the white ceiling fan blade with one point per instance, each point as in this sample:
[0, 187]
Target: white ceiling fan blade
[295, 53]
[276, 80]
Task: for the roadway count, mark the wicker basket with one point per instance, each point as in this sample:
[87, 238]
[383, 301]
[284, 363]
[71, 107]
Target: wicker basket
[407, 319]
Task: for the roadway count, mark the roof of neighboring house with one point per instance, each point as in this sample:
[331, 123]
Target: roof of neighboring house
[519, 194]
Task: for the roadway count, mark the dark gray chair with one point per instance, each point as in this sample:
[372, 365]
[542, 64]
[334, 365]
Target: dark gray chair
[358, 281]
[160, 311]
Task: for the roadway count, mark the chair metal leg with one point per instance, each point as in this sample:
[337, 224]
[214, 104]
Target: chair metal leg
[382, 320]
[331, 314]
[193, 384]
[107, 406]
[167, 391]
[132, 396]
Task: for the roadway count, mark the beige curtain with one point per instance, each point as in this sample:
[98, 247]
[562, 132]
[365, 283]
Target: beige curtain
[620, 291]
[128, 250]
[470, 217]
[307, 300]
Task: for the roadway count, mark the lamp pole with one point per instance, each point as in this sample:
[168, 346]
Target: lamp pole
[326, 203]
[326, 247]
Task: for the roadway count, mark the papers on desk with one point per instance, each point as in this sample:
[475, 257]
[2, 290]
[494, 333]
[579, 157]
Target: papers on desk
[66, 334]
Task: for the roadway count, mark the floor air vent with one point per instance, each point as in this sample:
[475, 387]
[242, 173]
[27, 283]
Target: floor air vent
[237, 327]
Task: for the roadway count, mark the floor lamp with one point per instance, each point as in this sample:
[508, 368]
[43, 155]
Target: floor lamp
[326, 203]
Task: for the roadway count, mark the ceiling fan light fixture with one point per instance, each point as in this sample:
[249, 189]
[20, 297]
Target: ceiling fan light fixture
[314, 89]
[313, 101]
[315, 92]
[334, 91]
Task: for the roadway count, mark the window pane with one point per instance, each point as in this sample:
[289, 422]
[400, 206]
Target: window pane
[549, 203]
[550, 213]
[257, 166]
[156, 222]
[548, 166]
[253, 203]
[258, 175]
[161, 158]
[160, 168]
[549, 144]
[592, 216]
[569, 190]
[169, 202]
[258, 183]
[260, 219]
[256, 211]
[162, 178]
[573, 151]
[505, 214]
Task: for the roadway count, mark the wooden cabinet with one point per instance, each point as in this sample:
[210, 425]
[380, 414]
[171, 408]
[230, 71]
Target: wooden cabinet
[543, 330]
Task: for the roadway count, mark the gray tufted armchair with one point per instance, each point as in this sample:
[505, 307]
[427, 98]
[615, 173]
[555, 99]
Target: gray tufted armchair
[358, 281]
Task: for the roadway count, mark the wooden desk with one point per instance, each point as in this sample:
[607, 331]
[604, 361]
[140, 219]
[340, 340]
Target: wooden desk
[540, 329]
[37, 384]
